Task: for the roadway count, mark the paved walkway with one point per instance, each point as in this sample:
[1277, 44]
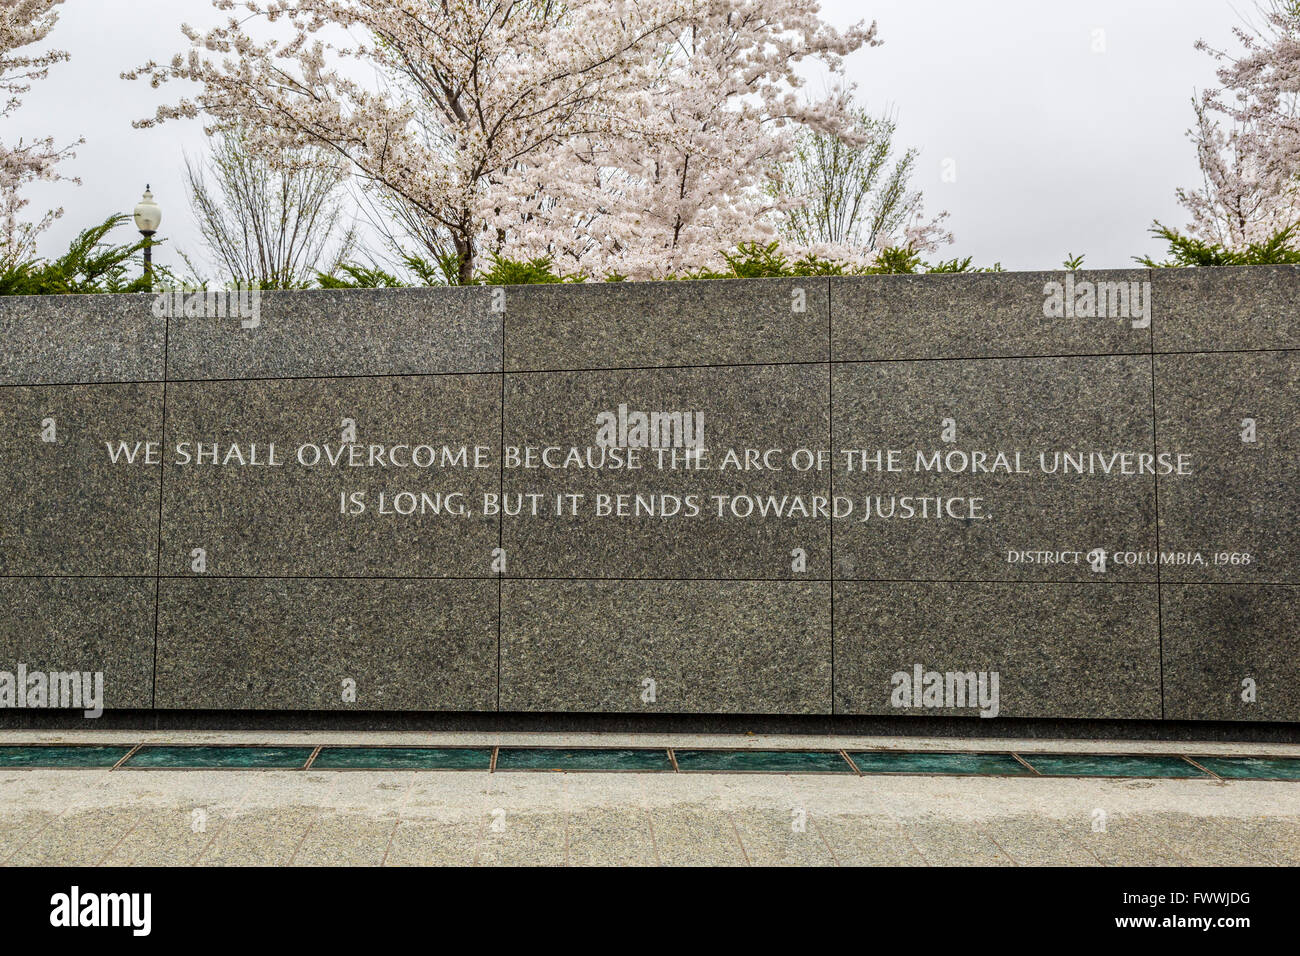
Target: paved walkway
[89, 817]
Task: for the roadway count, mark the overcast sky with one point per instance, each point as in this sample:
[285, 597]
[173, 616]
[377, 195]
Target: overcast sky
[1058, 146]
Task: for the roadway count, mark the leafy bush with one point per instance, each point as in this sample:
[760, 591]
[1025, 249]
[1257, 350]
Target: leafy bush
[90, 265]
[748, 260]
[442, 272]
[962, 265]
[514, 272]
[1187, 251]
[757, 261]
[358, 277]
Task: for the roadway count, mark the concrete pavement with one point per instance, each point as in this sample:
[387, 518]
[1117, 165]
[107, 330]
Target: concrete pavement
[363, 817]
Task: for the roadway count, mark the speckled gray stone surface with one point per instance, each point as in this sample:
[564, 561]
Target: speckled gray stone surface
[708, 646]
[276, 644]
[1216, 636]
[287, 519]
[765, 407]
[967, 315]
[1060, 650]
[647, 324]
[343, 332]
[65, 506]
[296, 595]
[80, 338]
[1034, 406]
[82, 624]
[1243, 498]
[1210, 310]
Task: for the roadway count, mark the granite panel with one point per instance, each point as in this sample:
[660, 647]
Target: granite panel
[66, 507]
[753, 407]
[1241, 307]
[1236, 517]
[289, 519]
[708, 647]
[290, 644]
[1058, 650]
[1009, 518]
[56, 339]
[1219, 636]
[332, 332]
[82, 624]
[650, 324]
[970, 315]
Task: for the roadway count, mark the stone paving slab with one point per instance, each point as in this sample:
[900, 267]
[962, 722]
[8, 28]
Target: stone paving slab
[681, 741]
[273, 817]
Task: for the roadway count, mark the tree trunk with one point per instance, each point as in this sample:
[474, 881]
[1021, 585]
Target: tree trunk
[465, 260]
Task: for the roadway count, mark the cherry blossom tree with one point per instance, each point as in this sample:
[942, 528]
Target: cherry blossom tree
[683, 180]
[1247, 136]
[23, 25]
[612, 135]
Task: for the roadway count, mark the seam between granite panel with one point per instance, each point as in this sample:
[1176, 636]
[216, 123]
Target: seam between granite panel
[1279, 348]
[865, 361]
[1155, 482]
[331, 377]
[92, 577]
[601, 368]
[539, 577]
[501, 496]
[83, 384]
[624, 577]
[651, 368]
[162, 476]
[830, 422]
[663, 368]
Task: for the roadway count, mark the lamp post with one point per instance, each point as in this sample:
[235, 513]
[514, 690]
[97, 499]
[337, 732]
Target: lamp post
[147, 219]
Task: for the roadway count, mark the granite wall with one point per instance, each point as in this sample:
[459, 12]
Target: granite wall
[1018, 495]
